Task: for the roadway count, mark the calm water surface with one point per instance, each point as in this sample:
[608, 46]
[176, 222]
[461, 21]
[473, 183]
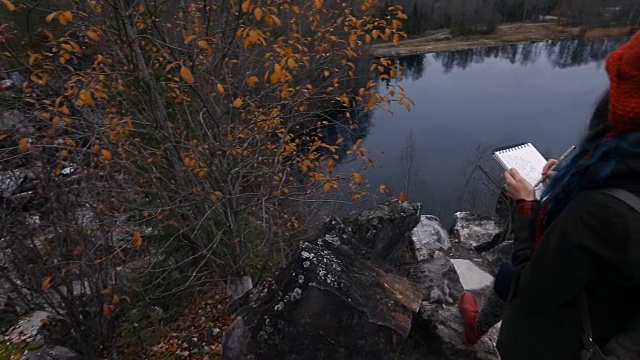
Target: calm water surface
[469, 102]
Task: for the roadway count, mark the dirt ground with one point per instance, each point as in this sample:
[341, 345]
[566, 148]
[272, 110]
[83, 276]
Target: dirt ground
[438, 41]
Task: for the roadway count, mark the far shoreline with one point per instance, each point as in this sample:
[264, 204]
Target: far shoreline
[440, 41]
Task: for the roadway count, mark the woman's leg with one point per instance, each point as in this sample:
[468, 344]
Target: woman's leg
[478, 322]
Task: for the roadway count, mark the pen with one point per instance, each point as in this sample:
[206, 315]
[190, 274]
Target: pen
[564, 156]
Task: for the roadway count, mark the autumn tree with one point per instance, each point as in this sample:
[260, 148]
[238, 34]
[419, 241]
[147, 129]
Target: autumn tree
[170, 144]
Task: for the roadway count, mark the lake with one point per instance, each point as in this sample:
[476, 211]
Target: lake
[470, 102]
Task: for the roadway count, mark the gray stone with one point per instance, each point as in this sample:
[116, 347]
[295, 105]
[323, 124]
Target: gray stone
[9, 182]
[6, 84]
[12, 120]
[52, 353]
[8, 314]
[437, 278]
[29, 329]
[500, 254]
[335, 299]
[387, 228]
[16, 78]
[429, 235]
[473, 230]
[471, 276]
[236, 287]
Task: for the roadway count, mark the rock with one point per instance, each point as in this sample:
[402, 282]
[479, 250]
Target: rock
[440, 328]
[16, 78]
[474, 230]
[437, 278]
[429, 235]
[54, 353]
[29, 329]
[9, 182]
[471, 276]
[12, 120]
[6, 84]
[335, 298]
[500, 254]
[387, 228]
[236, 287]
[8, 314]
[39, 328]
[236, 290]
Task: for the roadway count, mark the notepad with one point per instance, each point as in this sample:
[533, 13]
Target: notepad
[523, 157]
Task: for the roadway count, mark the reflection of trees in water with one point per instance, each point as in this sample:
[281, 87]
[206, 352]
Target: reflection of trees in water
[350, 129]
[413, 66]
[561, 54]
[565, 54]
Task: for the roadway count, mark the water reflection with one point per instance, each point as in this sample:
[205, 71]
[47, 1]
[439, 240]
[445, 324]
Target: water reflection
[536, 92]
[560, 54]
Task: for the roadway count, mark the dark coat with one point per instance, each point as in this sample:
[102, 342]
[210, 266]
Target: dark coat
[594, 244]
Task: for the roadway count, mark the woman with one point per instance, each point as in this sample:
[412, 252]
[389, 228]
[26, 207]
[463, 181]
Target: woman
[580, 239]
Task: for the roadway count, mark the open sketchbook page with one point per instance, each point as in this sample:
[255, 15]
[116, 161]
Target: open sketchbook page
[525, 158]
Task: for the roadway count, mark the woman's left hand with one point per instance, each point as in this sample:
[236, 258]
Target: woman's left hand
[518, 187]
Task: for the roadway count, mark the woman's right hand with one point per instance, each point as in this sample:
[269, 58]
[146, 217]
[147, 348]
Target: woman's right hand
[546, 171]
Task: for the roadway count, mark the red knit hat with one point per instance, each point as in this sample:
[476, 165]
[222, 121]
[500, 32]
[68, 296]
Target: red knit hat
[623, 66]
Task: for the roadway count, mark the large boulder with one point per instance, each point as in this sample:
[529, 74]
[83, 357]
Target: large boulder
[429, 236]
[386, 229]
[342, 296]
[336, 298]
[437, 279]
[474, 230]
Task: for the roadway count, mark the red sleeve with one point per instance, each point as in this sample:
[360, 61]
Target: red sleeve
[526, 207]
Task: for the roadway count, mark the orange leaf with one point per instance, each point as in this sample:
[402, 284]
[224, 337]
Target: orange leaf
[24, 145]
[9, 5]
[106, 310]
[86, 98]
[221, 89]
[246, 6]
[252, 81]
[383, 188]
[65, 17]
[203, 44]
[327, 187]
[238, 102]
[258, 13]
[317, 4]
[357, 178]
[115, 300]
[51, 16]
[93, 35]
[215, 196]
[186, 74]
[77, 251]
[46, 283]
[137, 240]
[105, 291]
[188, 38]
[106, 155]
[403, 196]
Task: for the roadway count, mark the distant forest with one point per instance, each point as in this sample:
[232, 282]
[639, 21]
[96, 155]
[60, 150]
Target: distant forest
[482, 16]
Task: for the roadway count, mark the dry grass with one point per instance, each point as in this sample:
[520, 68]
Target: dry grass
[438, 41]
[607, 32]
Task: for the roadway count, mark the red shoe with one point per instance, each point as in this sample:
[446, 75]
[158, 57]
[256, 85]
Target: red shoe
[469, 311]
